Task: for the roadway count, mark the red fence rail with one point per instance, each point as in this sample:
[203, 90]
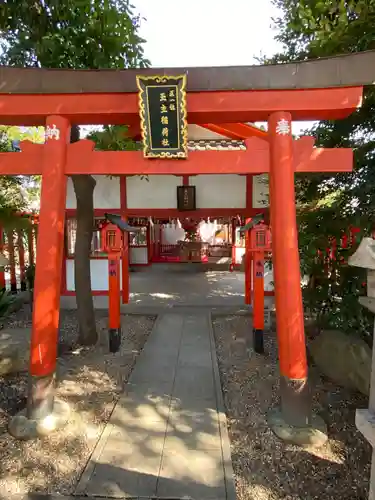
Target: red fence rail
[19, 247]
[172, 252]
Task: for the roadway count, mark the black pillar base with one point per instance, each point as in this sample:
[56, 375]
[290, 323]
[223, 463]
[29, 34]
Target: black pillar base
[13, 288]
[114, 335]
[40, 396]
[258, 341]
[294, 422]
[295, 401]
[23, 286]
[44, 414]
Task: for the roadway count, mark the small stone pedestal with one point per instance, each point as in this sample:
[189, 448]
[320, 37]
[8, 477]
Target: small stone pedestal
[314, 435]
[24, 428]
[44, 413]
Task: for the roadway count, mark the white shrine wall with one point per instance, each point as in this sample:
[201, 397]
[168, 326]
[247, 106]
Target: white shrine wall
[212, 191]
[220, 191]
[160, 191]
[99, 275]
[106, 193]
[157, 191]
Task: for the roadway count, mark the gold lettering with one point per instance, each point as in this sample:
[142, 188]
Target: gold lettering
[164, 120]
[163, 97]
[165, 142]
[163, 108]
[172, 107]
[172, 93]
[165, 132]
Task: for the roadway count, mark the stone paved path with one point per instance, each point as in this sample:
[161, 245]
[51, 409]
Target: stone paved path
[167, 437]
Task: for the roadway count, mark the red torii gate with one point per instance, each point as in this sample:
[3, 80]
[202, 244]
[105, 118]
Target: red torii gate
[280, 157]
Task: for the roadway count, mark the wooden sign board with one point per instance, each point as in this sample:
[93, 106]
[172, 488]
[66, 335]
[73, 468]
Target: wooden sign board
[162, 109]
[186, 198]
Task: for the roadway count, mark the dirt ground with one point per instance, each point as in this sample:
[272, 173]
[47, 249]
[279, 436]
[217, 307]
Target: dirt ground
[90, 381]
[266, 468]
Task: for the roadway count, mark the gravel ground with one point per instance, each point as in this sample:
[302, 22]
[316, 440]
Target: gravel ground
[266, 468]
[90, 380]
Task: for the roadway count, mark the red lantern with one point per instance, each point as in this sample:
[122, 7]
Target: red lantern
[112, 238]
[260, 238]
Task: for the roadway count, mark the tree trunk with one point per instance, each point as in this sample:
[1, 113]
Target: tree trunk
[84, 186]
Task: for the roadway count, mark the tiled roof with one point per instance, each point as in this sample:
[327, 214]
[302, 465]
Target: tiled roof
[216, 145]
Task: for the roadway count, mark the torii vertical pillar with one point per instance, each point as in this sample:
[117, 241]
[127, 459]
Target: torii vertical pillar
[295, 421]
[44, 413]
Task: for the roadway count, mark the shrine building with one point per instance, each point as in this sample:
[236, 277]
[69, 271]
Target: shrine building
[206, 232]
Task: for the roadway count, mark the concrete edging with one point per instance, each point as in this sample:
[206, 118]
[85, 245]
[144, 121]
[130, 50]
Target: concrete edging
[225, 441]
[44, 496]
[92, 461]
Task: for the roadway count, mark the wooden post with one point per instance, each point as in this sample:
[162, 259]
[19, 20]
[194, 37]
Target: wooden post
[50, 243]
[114, 324]
[248, 259]
[12, 261]
[21, 255]
[258, 302]
[160, 239]
[125, 268]
[233, 264]
[30, 245]
[295, 400]
[2, 272]
[149, 243]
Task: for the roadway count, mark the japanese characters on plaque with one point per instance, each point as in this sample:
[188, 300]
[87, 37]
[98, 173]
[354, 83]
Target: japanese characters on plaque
[162, 107]
[186, 199]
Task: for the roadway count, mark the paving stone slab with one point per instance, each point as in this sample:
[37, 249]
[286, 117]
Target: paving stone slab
[190, 357]
[197, 429]
[152, 388]
[200, 440]
[157, 372]
[197, 383]
[136, 407]
[111, 482]
[192, 473]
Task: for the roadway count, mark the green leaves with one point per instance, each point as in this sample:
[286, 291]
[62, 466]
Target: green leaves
[17, 192]
[113, 138]
[71, 34]
[329, 206]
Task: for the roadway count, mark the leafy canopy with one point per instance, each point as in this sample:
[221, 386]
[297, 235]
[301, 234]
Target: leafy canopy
[328, 206]
[17, 193]
[70, 34]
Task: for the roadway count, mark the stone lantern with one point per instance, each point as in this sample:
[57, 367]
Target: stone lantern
[365, 419]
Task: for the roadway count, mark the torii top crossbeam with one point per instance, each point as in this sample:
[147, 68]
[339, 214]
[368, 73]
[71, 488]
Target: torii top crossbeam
[350, 70]
[322, 89]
